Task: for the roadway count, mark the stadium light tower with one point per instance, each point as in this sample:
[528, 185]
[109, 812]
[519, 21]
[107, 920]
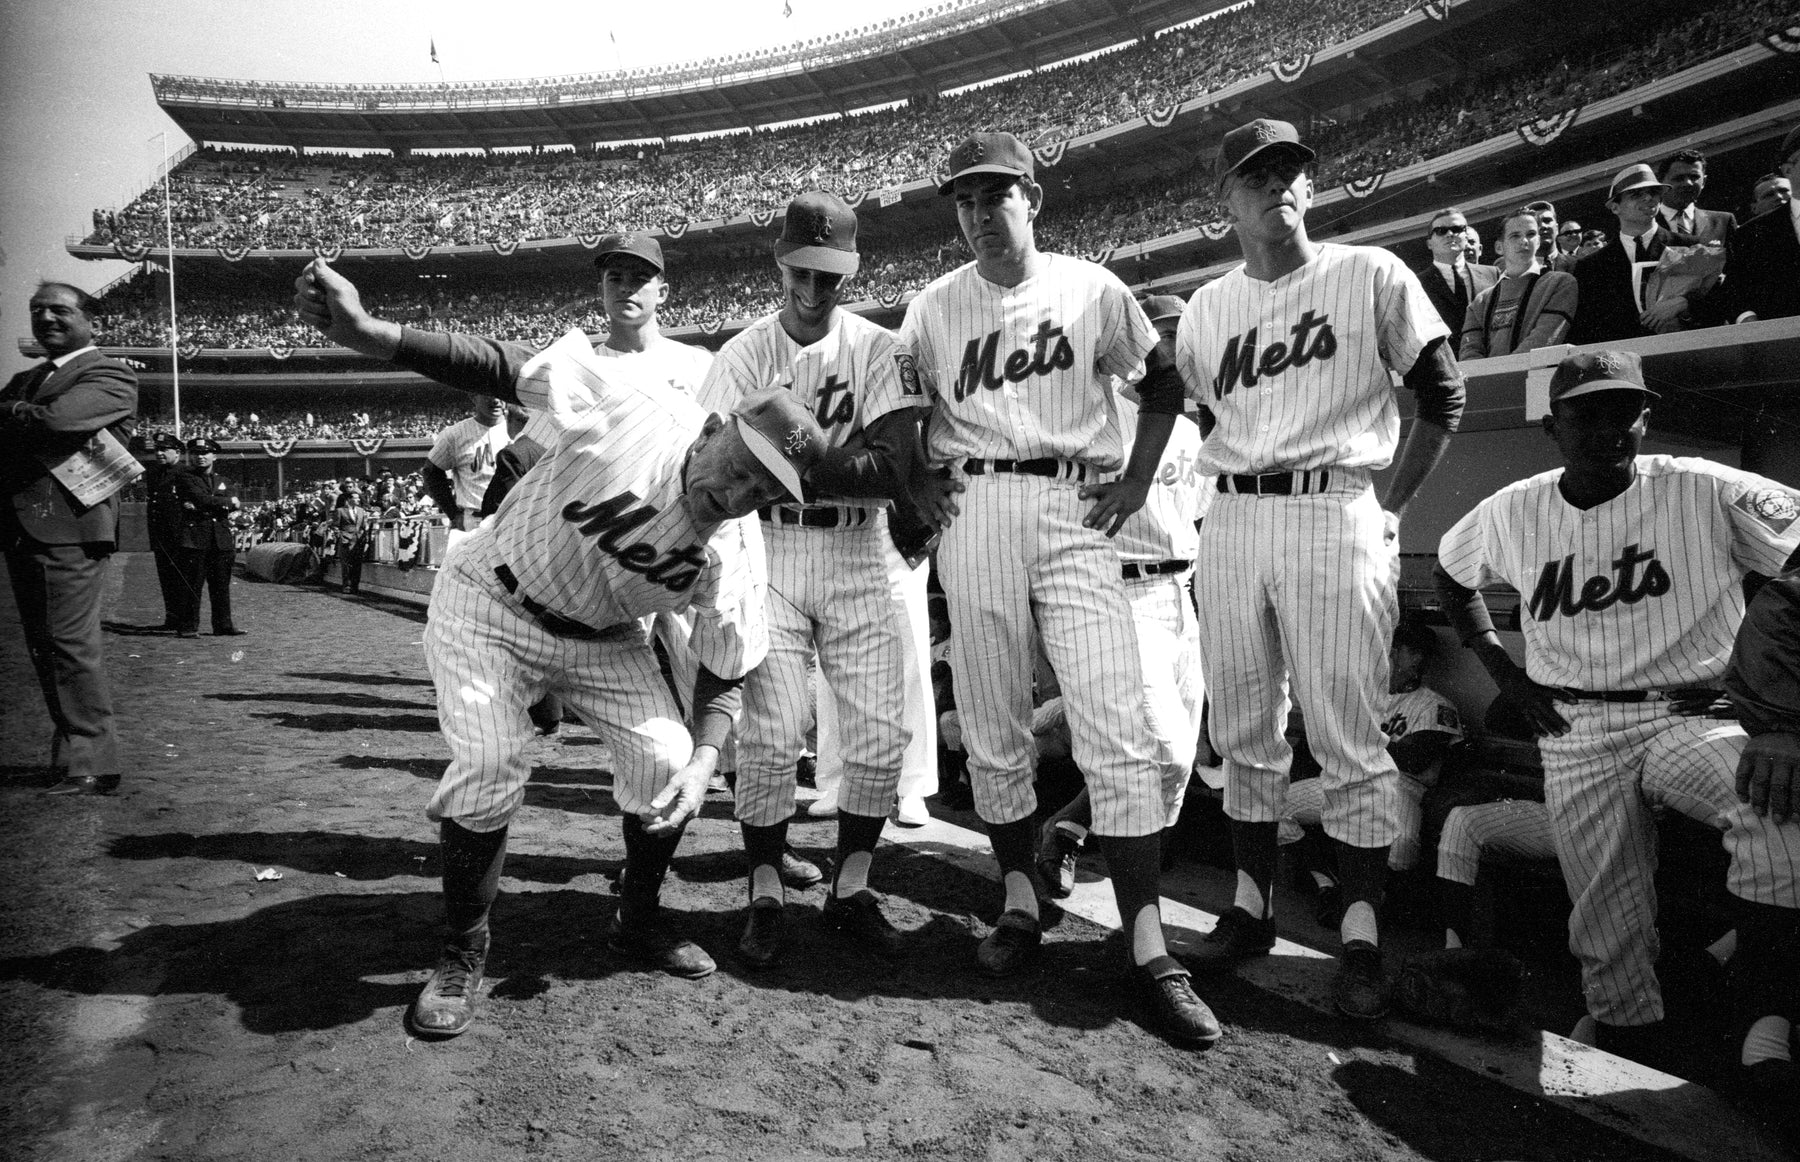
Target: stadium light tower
[162, 142]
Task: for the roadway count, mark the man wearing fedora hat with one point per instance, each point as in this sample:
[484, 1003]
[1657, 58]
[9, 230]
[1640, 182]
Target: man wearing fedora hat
[1611, 282]
[643, 508]
[830, 558]
[1631, 570]
[1018, 351]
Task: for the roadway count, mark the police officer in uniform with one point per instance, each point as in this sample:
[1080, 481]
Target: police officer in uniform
[164, 519]
[208, 548]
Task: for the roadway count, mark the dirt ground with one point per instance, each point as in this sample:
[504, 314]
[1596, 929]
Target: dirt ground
[162, 1002]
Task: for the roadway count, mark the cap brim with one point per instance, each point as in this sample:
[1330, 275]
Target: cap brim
[824, 258]
[600, 259]
[1011, 171]
[1294, 147]
[1593, 386]
[1648, 184]
[770, 457]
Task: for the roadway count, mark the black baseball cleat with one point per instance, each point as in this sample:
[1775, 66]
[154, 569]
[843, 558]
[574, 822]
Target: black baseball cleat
[797, 872]
[859, 918]
[760, 946]
[1013, 944]
[654, 943]
[1360, 989]
[84, 785]
[1235, 938]
[1057, 855]
[446, 1005]
[1163, 988]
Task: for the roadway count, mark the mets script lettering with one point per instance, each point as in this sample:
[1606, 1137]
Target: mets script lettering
[981, 368]
[832, 409]
[1244, 362]
[611, 520]
[1555, 592]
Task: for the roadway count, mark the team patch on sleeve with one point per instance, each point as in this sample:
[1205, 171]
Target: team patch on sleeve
[1775, 508]
[1448, 719]
[909, 374]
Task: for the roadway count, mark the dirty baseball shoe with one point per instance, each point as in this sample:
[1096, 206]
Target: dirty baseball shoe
[446, 1005]
[859, 918]
[1360, 990]
[1237, 937]
[797, 872]
[1057, 853]
[654, 943]
[760, 945]
[1163, 988]
[1011, 947]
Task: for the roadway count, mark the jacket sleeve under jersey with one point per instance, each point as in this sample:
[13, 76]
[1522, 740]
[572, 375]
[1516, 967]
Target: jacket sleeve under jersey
[465, 362]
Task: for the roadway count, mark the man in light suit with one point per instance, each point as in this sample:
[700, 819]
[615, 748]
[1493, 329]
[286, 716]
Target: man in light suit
[1684, 178]
[1450, 279]
[1607, 307]
[56, 546]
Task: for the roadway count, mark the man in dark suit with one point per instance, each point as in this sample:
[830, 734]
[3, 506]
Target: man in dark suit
[163, 518]
[55, 544]
[1450, 279]
[1608, 282]
[1762, 272]
[208, 547]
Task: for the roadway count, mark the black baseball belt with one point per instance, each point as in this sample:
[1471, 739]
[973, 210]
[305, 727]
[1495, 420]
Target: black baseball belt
[555, 623]
[817, 518]
[1134, 570]
[1676, 694]
[1042, 466]
[1296, 483]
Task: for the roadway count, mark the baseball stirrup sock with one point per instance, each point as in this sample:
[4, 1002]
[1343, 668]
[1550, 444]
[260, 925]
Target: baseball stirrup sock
[763, 847]
[1768, 1041]
[472, 862]
[1254, 849]
[646, 863]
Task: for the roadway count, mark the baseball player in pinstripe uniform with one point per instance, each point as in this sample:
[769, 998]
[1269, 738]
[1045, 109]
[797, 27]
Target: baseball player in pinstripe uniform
[1016, 350]
[640, 509]
[1294, 354]
[828, 571]
[1156, 547]
[1631, 570]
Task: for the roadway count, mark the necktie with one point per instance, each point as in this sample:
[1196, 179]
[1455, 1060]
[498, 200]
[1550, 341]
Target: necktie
[43, 372]
[1462, 292]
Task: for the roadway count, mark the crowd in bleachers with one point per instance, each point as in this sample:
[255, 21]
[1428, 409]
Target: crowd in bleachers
[307, 416]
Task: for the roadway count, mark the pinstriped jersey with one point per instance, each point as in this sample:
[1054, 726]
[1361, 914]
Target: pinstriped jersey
[1163, 530]
[1297, 370]
[684, 366]
[848, 379]
[466, 450]
[599, 531]
[1642, 592]
[1023, 372]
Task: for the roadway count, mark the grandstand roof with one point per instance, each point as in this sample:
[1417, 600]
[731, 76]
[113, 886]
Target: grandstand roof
[943, 48]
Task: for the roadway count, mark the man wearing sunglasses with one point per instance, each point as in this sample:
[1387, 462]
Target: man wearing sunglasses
[1451, 281]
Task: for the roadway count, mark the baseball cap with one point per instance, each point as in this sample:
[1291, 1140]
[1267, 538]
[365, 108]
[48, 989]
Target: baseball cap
[1633, 177]
[1163, 307]
[167, 442]
[819, 233]
[1250, 141]
[1000, 153]
[782, 435]
[203, 444]
[633, 242]
[1587, 372]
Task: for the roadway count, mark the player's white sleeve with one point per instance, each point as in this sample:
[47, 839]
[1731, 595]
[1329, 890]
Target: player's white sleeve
[1126, 333]
[730, 626]
[1468, 551]
[1764, 517]
[890, 378]
[916, 340]
[1406, 320]
[569, 381]
[1187, 351]
[443, 449]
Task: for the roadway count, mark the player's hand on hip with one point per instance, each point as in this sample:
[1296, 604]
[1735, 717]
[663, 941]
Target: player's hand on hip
[934, 495]
[1768, 775]
[1114, 502]
[1537, 704]
[682, 795]
[328, 301]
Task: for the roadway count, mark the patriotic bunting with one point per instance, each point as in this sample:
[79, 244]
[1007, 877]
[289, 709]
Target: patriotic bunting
[1160, 118]
[416, 252]
[1360, 188]
[762, 219]
[588, 241]
[279, 448]
[368, 447]
[711, 326]
[132, 251]
[327, 252]
[675, 227]
[1051, 155]
[1784, 39]
[233, 253]
[280, 352]
[1215, 230]
[1544, 130]
[1289, 71]
[503, 249]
